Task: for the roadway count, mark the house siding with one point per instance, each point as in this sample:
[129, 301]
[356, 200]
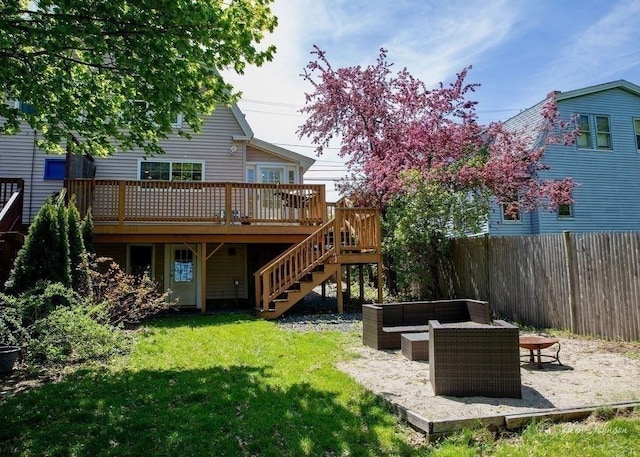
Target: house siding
[607, 181]
[223, 269]
[213, 146]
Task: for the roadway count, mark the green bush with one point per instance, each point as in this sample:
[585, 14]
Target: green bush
[72, 335]
[45, 254]
[38, 302]
[12, 332]
[80, 276]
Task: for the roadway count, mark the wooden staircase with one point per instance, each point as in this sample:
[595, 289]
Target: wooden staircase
[352, 236]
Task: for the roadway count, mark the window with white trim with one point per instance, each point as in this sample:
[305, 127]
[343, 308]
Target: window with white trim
[603, 132]
[510, 215]
[594, 132]
[584, 137]
[151, 170]
[636, 128]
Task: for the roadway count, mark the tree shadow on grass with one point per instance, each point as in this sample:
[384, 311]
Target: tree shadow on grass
[220, 411]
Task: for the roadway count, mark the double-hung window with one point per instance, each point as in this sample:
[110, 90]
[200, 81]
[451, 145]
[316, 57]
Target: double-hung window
[594, 132]
[510, 214]
[170, 171]
[603, 132]
[636, 128]
[584, 137]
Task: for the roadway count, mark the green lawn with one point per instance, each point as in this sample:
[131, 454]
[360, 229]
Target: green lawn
[233, 385]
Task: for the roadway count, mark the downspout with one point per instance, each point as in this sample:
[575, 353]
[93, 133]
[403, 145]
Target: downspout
[33, 162]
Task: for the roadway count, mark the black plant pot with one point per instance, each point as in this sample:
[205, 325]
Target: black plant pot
[8, 356]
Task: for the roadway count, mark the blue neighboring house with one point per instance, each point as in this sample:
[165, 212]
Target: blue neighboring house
[604, 162]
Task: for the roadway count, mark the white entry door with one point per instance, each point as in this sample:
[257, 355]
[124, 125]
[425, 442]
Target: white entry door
[183, 267]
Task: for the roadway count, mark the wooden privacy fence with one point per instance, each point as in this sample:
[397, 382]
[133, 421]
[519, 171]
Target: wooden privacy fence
[588, 283]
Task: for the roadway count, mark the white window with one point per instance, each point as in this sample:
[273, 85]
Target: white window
[171, 171]
[509, 214]
[584, 136]
[587, 135]
[603, 131]
[636, 128]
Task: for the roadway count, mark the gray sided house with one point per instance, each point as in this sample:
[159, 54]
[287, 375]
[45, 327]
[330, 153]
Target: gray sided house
[604, 162]
[223, 220]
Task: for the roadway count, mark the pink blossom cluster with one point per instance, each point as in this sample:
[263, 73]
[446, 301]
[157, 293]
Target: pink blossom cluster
[391, 124]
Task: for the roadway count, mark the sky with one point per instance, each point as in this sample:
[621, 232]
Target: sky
[519, 51]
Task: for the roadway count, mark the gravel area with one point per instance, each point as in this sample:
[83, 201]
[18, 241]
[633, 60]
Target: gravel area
[322, 322]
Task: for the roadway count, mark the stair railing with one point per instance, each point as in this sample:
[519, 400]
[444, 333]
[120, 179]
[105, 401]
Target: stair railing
[352, 229]
[294, 264]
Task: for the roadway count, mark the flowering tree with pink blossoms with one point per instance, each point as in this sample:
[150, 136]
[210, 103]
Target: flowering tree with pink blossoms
[402, 141]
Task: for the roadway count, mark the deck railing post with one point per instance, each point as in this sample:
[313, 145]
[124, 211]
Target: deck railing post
[227, 203]
[122, 189]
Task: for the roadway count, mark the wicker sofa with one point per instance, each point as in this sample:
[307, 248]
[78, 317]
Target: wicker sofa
[469, 359]
[384, 323]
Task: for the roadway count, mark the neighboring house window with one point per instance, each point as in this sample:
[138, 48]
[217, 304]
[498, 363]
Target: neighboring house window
[636, 127]
[510, 215]
[55, 168]
[586, 137]
[171, 171]
[24, 107]
[565, 211]
[603, 132]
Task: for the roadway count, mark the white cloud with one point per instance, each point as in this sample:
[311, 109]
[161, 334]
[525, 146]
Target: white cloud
[600, 52]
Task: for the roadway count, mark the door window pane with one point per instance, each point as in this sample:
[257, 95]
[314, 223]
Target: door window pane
[182, 265]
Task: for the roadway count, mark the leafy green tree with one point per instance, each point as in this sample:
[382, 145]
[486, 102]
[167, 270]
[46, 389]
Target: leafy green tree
[86, 227]
[417, 227]
[116, 73]
[45, 254]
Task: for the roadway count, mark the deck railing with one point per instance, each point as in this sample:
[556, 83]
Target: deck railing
[122, 202]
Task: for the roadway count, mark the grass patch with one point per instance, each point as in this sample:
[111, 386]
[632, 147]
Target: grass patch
[232, 385]
[218, 385]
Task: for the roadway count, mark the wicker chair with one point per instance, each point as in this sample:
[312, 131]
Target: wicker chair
[470, 359]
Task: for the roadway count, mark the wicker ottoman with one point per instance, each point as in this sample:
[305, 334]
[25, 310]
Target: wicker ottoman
[415, 346]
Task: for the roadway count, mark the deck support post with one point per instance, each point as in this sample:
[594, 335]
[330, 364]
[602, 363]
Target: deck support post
[339, 290]
[203, 278]
[380, 298]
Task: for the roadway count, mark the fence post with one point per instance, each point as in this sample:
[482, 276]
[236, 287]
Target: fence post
[571, 278]
[487, 260]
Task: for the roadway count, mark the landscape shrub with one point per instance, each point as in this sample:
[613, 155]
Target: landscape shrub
[72, 335]
[125, 297]
[80, 276]
[45, 254]
[12, 331]
[38, 302]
